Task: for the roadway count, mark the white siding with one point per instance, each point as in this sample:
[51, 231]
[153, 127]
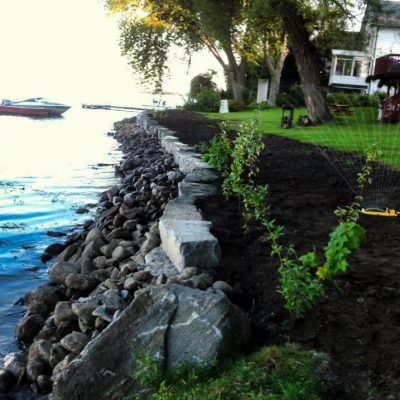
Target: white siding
[388, 41]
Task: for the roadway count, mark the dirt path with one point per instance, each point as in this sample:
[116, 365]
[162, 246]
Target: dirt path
[358, 325]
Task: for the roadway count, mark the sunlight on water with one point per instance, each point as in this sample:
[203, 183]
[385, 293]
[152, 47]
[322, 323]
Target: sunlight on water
[48, 169]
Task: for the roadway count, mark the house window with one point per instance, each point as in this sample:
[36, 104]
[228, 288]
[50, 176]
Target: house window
[361, 68]
[350, 66]
[344, 66]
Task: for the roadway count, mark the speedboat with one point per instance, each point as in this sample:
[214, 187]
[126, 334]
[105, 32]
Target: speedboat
[33, 107]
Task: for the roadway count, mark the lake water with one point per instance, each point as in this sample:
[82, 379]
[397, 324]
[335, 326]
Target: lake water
[48, 169]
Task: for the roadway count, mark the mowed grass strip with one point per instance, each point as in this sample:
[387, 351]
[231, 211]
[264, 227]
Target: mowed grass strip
[356, 132]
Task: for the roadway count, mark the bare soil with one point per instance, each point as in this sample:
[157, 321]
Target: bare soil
[358, 323]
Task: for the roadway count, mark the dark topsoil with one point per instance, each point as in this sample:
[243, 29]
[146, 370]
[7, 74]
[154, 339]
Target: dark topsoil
[357, 325]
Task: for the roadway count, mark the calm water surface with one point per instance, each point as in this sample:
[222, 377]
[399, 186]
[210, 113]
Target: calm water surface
[48, 169]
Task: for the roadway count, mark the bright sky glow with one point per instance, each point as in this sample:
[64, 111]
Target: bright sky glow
[68, 50]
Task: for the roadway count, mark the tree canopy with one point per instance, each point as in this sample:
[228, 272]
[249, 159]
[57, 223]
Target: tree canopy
[237, 32]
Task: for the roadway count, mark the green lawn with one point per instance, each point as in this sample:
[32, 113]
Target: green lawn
[357, 132]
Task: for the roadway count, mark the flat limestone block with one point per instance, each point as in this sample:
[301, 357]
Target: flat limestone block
[189, 161]
[180, 209]
[189, 243]
[169, 142]
[196, 191]
[179, 148]
[164, 132]
[202, 175]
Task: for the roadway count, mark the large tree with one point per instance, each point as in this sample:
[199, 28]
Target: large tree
[304, 19]
[236, 32]
[267, 36]
[150, 27]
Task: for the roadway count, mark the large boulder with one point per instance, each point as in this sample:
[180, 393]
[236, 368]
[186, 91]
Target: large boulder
[174, 323]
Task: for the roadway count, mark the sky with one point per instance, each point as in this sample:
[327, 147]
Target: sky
[68, 51]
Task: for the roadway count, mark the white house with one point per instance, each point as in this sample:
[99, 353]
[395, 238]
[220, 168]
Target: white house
[349, 68]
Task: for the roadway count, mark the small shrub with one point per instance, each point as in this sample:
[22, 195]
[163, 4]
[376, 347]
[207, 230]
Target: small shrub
[356, 99]
[348, 236]
[219, 152]
[235, 105]
[377, 98]
[208, 100]
[201, 147]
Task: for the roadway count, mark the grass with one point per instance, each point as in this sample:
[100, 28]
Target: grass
[273, 373]
[357, 132]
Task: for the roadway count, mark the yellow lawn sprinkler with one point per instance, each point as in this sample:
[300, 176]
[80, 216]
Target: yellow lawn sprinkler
[387, 212]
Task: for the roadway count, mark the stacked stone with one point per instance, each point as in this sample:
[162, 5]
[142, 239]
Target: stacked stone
[98, 272]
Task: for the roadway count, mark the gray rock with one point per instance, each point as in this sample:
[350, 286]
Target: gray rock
[142, 276]
[94, 234]
[28, 327]
[119, 233]
[54, 249]
[40, 349]
[74, 342]
[130, 224]
[84, 312]
[120, 253]
[63, 312]
[44, 383]
[131, 284]
[112, 300]
[102, 313]
[202, 175]
[43, 300]
[180, 209]
[61, 366]
[57, 354]
[15, 364]
[80, 282]
[100, 275]
[173, 323]
[223, 286]
[118, 220]
[187, 273]
[106, 250]
[66, 254]
[196, 191]
[34, 368]
[100, 262]
[158, 263]
[92, 249]
[59, 271]
[189, 243]
[6, 381]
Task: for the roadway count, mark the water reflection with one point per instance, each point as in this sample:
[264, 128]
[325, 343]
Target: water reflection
[48, 168]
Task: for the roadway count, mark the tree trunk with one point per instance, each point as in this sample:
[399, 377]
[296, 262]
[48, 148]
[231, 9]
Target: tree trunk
[237, 76]
[308, 63]
[275, 66]
[275, 83]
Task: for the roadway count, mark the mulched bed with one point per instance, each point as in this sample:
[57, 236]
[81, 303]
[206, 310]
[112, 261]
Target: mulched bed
[357, 325]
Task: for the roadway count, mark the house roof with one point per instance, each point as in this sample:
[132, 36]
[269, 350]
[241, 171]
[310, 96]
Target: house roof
[352, 53]
[388, 15]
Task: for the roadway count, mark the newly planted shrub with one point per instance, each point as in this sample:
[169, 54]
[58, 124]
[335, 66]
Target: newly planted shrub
[219, 153]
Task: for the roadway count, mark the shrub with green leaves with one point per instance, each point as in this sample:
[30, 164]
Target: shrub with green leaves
[218, 154]
[348, 236]
[235, 105]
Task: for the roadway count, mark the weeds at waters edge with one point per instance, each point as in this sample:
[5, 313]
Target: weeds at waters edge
[277, 372]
